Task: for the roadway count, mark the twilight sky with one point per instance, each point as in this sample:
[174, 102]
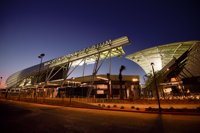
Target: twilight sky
[60, 27]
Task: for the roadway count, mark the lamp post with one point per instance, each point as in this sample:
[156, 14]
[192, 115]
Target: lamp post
[158, 99]
[40, 57]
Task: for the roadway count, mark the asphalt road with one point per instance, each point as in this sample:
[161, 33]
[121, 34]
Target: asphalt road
[19, 117]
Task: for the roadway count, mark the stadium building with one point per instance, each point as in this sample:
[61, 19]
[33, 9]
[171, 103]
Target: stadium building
[52, 78]
[172, 68]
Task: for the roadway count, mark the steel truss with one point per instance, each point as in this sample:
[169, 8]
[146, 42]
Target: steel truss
[59, 69]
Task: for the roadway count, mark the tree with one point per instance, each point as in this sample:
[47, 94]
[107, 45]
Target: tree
[122, 68]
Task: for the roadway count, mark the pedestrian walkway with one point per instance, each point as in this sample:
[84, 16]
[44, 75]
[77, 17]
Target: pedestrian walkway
[143, 106]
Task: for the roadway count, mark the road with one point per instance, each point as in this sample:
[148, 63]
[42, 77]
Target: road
[20, 117]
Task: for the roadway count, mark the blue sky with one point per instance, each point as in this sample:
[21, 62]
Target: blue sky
[60, 27]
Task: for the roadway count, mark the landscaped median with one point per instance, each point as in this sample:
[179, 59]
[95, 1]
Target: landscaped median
[179, 109]
[166, 108]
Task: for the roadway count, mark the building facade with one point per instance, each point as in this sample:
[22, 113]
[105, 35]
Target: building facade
[176, 67]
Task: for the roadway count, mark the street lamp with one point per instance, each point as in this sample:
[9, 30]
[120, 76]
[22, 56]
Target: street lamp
[40, 57]
[152, 64]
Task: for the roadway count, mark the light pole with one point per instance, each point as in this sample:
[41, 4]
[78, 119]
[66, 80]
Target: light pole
[152, 64]
[40, 57]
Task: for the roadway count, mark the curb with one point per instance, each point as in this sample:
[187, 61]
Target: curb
[148, 112]
[119, 110]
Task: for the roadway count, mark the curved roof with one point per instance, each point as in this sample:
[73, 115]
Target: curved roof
[88, 55]
[160, 55]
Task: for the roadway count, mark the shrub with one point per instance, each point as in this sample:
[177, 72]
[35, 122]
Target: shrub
[99, 105]
[149, 109]
[137, 108]
[122, 107]
[132, 107]
[103, 105]
[185, 109]
[108, 106]
[198, 108]
[114, 106]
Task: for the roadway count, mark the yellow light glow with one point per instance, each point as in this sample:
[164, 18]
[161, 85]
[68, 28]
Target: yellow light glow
[173, 79]
[102, 78]
[134, 79]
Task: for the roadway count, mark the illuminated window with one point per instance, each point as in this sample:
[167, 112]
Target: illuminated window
[134, 79]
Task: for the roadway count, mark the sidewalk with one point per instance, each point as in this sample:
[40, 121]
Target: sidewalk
[172, 109]
[176, 109]
[143, 106]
